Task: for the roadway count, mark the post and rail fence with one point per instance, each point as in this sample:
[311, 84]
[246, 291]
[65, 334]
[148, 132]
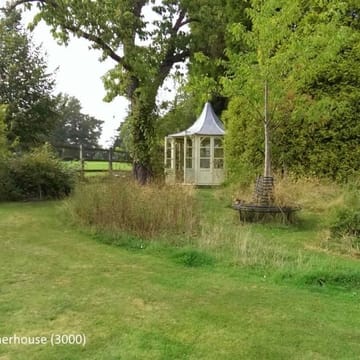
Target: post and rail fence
[84, 154]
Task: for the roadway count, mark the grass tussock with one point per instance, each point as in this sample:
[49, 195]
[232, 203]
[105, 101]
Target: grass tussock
[343, 234]
[243, 246]
[309, 193]
[121, 205]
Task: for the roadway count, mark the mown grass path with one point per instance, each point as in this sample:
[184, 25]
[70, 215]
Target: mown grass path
[132, 305]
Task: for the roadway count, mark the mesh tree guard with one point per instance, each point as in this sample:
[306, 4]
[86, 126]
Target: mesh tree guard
[264, 190]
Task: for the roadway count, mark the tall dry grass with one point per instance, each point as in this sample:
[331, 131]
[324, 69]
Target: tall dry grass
[325, 204]
[121, 205]
[309, 193]
[244, 247]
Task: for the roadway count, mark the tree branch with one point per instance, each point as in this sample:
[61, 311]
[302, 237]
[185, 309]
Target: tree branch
[98, 41]
[169, 61]
[181, 56]
[18, 3]
[79, 32]
[179, 21]
[171, 57]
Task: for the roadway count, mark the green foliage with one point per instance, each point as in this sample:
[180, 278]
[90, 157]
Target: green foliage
[243, 141]
[35, 175]
[6, 186]
[346, 218]
[343, 279]
[180, 115]
[144, 55]
[193, 258]
[347, 222]
[73, 127]
[25, 85]
[3, 134]
[209, 42]
[123, 141]
[308, 55]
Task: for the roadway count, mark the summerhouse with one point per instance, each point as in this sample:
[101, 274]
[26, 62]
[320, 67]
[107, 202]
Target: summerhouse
[196, 155]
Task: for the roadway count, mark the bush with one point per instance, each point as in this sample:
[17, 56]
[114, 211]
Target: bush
[8, 190]
[344, 224]
[38, 174]
[121, 205]
[347, 222]
[346, 219]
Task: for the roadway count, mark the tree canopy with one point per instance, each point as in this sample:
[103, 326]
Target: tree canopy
[308, 52]
[73, 127]
[305, 52]
[144, 53]
[25, 86]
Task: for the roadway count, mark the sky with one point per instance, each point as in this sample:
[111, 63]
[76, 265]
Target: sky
[78, 74]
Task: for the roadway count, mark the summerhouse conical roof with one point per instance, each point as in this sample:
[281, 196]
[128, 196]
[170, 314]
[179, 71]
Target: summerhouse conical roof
[206, 124]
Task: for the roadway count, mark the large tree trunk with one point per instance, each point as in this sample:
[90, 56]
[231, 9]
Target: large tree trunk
[142, 119]
[142, 174]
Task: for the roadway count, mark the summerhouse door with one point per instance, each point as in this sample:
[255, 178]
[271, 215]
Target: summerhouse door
[211, 161]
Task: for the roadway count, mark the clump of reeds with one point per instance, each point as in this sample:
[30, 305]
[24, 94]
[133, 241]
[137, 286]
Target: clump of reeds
[121, 205]
[309, 193]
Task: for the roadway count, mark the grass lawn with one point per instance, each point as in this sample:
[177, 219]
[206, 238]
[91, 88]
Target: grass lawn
[135, 304]
[103, 165]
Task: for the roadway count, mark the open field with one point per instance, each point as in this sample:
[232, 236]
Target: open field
[103, 165]
[100, 167]
[146, 303]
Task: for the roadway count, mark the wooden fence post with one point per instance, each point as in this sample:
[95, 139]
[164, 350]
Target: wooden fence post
[82, 163]
[110, 160]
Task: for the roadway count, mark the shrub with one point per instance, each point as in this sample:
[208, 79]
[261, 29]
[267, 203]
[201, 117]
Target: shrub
[344, 223]
[38, 174]
[3, 138]
[121, 205]
[346, 218]
[8, 190]
[312, 194]
[347, 222]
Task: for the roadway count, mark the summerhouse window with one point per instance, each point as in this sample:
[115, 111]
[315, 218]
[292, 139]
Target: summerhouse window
[169, 153]
[205, 152]
[218, 153]
[189, 153]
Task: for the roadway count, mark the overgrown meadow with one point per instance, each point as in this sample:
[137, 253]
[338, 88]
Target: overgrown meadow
[321, 247]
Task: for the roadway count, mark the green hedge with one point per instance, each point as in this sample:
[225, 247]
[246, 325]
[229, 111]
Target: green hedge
[38, 174]
[346, 219]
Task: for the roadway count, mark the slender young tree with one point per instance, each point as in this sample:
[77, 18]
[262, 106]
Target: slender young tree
[307, 53]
